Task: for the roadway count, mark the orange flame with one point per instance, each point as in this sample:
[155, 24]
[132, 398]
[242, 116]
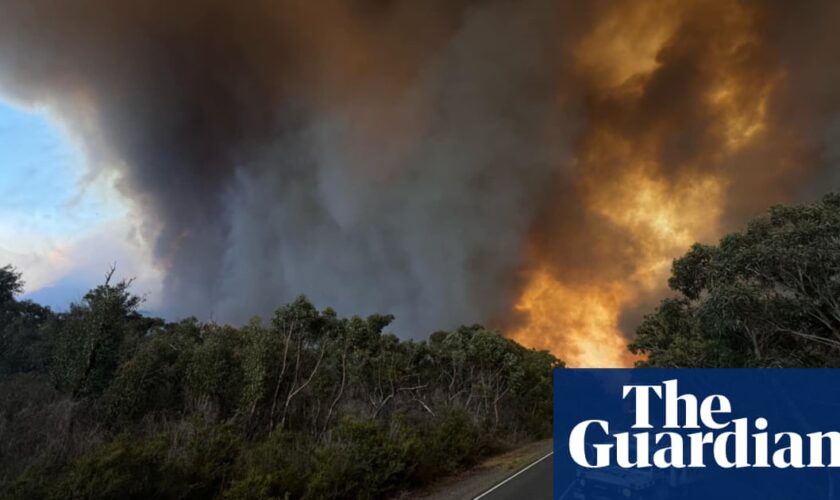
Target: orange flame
[581, 323]
[660, 214]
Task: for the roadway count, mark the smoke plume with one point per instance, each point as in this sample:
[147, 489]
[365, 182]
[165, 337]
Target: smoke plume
[531, 164]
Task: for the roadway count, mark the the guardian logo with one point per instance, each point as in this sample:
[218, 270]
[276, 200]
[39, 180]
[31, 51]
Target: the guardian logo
[694, 434]
[695, 430]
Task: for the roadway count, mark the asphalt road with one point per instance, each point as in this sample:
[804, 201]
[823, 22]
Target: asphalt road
[532, 482]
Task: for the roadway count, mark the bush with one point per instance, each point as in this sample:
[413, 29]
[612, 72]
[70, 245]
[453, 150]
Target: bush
[125, 468]
[363, 461]
[277, 467]
[111, 404]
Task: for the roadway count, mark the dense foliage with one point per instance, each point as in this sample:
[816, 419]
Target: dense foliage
[104, 402]
[767, 297]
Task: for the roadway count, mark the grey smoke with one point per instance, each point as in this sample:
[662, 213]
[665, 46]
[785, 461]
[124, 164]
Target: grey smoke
[395, 156]
[434, 232]
[269, 162]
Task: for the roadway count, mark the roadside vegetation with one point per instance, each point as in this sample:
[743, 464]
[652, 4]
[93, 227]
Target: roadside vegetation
[104, 402]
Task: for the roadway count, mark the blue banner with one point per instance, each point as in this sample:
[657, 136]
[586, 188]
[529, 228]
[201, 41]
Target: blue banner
[719, 434]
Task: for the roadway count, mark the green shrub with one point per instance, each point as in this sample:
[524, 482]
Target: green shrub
[363, 461]
[125, 468]
[310, 406]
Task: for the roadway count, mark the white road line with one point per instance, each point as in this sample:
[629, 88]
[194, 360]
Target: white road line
[491, 490]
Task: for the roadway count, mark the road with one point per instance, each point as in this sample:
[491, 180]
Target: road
[532, 482]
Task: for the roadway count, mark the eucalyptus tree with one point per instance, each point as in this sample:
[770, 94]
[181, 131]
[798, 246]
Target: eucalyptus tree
[91, 338]
[769, 296]
[24, 342]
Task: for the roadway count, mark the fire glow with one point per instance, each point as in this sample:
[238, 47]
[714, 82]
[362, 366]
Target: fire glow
[659, 217]
[533, 165]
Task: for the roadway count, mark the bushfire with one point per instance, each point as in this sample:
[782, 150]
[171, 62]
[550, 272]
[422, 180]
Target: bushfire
[535, 164]
[653, 204]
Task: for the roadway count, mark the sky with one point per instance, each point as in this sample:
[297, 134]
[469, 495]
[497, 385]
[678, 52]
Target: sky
[52, 212]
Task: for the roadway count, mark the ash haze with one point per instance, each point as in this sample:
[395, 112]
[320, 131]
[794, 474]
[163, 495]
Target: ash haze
[533, 164]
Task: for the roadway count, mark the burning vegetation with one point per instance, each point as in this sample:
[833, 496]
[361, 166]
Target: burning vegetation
[535, 165]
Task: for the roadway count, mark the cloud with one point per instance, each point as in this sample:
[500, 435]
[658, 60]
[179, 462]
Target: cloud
[58, 274]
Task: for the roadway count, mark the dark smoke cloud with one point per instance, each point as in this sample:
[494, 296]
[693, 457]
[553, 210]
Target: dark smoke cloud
[402, 156]
[377, 156]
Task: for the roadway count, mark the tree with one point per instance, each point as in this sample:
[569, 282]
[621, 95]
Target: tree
[769, 296]
[306, 334]
[23, 341]
[150, 380]
[307, 405]
[214, 379]
[10, 284]
[88, 344]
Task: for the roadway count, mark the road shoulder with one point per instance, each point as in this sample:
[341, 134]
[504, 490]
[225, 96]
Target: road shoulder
[479, 479]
